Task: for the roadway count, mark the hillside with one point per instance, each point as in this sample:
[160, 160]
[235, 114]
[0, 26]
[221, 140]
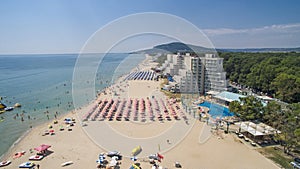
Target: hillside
[175, 47]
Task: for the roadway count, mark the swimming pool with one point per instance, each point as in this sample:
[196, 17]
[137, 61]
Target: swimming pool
[216, 110]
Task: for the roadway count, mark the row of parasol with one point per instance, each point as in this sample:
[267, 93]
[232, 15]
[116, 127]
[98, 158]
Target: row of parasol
[116, 109]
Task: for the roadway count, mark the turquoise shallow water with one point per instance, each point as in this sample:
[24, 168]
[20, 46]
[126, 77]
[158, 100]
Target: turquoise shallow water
[42, 84]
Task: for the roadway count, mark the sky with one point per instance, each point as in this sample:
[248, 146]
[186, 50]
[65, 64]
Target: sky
[65, 26]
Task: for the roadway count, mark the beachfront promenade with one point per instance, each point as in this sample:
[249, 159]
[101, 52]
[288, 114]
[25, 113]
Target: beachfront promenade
[131, 113]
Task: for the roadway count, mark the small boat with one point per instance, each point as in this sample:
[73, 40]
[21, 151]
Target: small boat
[153, 157]
[8, 108]
[66, 163]
[135, 166]
[4, 163]
[27, 165]
[113, 153]
[18, 154]
[36, 157]
[136, 150]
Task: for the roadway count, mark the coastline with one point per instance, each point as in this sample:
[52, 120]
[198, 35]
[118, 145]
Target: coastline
[61, 116]
[84, 151]
[11, 148]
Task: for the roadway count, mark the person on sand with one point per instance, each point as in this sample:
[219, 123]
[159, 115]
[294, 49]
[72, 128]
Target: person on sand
[38, 166]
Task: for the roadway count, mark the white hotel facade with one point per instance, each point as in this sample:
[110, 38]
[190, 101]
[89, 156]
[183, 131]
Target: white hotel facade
[196, 74]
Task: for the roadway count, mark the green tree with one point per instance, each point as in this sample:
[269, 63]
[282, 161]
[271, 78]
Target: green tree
[291, 127]
[235, 106]
[287, 87]
[274, 116]
[252, 108]
[249, 108]
[264, 72]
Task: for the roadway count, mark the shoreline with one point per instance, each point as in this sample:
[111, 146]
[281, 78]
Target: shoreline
[11, 148]
[60, 116]
[29, 131]
[84, 149]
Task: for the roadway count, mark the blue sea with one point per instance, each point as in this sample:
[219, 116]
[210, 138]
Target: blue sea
[42, 84]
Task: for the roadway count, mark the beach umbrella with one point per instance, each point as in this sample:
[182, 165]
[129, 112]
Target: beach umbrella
[42, 147]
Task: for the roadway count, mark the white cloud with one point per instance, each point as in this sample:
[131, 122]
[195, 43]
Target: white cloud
[223, 31]
[288, 28]
[287, 35]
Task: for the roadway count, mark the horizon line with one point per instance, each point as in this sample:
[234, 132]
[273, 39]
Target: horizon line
[129, 52]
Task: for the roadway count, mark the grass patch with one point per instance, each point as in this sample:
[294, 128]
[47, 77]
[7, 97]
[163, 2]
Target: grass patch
[277, 155]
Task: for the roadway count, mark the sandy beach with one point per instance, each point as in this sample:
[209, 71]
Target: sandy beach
[178, 140]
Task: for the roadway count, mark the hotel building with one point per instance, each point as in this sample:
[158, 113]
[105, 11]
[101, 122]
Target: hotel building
[196, 74]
